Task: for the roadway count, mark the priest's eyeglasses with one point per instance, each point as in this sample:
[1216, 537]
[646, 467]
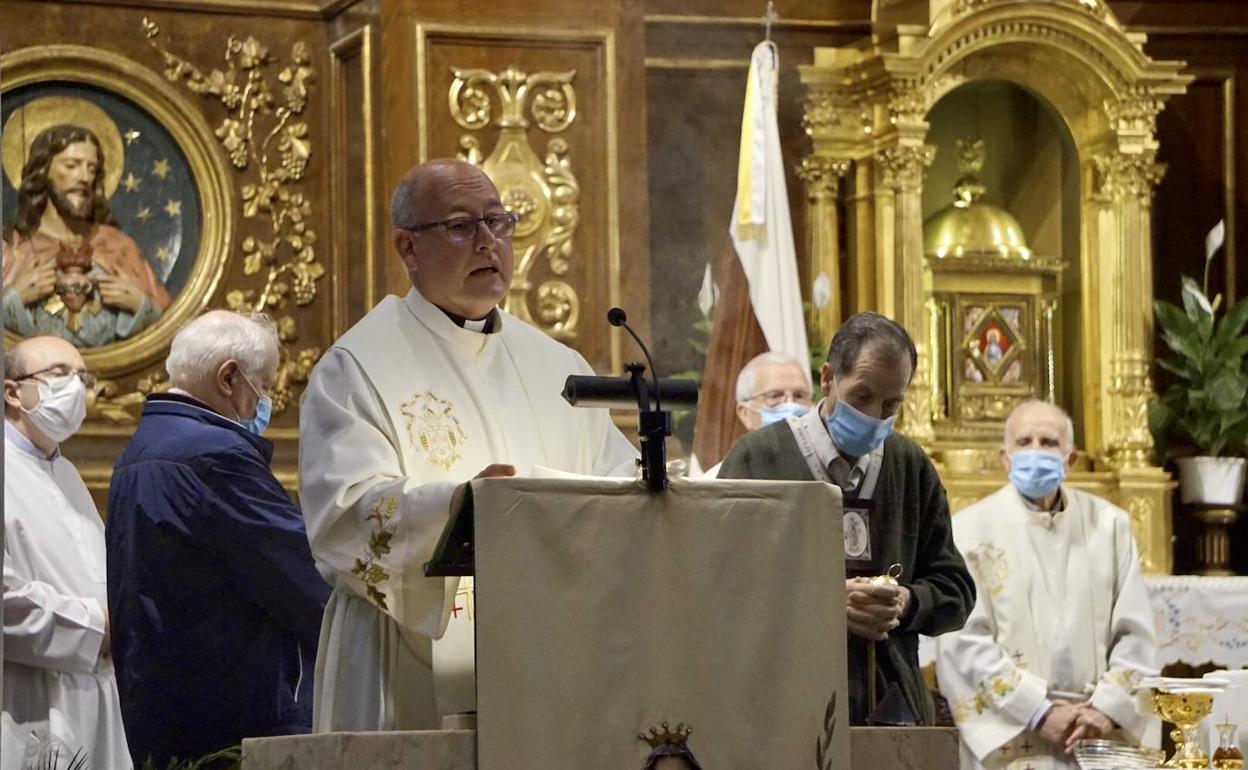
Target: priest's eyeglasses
[779, 396]
[62, 370]
[464, 229]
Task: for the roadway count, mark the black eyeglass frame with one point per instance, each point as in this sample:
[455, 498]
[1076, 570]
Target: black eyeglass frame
[88, 379]
[445, 224]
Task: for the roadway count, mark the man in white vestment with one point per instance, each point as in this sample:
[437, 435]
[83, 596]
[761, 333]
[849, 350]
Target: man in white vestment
[1062, 627]
[424, 393]
[60, 692]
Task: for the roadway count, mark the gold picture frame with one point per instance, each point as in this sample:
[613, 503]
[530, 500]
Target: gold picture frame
[146, 90]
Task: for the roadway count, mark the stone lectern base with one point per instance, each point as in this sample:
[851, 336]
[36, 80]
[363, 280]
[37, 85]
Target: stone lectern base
[897, 748]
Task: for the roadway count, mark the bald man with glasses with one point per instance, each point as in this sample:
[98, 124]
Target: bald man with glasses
[423, 394]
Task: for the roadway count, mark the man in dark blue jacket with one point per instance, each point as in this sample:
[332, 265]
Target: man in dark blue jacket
[214, 600]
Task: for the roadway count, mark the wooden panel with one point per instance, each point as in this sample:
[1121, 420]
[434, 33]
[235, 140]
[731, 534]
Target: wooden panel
[721, 10]
[358, 221]
[594, 266]
[421, 44]
[1195, 132]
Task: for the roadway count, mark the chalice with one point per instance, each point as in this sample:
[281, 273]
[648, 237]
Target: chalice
[1185, 710]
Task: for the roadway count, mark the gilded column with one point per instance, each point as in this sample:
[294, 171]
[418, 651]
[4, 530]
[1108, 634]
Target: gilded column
[822, 176]
[902, 168]
[1130, 179]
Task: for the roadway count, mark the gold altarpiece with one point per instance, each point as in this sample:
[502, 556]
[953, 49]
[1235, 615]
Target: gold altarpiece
[866, 114]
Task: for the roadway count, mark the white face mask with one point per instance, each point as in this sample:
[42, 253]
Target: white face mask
[62, 407]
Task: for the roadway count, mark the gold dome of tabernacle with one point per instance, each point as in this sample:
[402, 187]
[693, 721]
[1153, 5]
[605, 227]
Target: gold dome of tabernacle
[967, 227]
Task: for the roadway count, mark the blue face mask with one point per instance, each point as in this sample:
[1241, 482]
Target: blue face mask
[264, 410]
[1037, 473]
[781, 412]
[855, 433]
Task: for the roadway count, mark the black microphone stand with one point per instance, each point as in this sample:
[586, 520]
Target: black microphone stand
[654, 426]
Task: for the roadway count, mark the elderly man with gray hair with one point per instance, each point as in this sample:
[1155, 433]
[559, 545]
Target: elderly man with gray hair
[771, 387]
[1062, 626]
[212, 589]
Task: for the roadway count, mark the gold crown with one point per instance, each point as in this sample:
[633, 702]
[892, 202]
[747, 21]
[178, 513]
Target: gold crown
[666, 735]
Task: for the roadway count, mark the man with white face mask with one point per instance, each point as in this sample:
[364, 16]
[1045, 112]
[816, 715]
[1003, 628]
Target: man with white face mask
[60, 692]
[1062, 626]
[211, 580]
[896, 516]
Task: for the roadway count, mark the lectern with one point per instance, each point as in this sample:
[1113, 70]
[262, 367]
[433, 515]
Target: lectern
[699, 627]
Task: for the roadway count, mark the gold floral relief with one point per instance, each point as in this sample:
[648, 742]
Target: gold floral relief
[269, 147]
[542, 191]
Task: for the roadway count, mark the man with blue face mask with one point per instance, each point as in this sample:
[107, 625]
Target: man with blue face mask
[772, 387]
[1063, 624]
[896, 515]
[211, 584]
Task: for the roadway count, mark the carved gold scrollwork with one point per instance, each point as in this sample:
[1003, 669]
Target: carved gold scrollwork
[916, 410]
[1131, 388]
[1135, 112]
[903, 165]
[542, 191]
[821, 174]
[473, 93]
[270, 148]
[1119, 176]
[906, 103]
[558, 307]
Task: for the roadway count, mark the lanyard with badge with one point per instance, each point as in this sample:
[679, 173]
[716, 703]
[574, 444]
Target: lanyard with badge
[859, 526]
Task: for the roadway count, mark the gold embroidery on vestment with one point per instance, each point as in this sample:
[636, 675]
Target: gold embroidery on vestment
[433, 429]
[367, 568]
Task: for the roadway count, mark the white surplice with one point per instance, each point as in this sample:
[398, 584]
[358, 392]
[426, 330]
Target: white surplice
[59, 691]
[402, 409]
[1062, 612]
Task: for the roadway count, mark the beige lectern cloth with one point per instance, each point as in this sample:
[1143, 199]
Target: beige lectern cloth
[603, 610]
[1061, 608]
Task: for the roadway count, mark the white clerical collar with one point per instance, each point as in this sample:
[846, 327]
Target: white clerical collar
[14, 435]
[476, 326]
[441, 324]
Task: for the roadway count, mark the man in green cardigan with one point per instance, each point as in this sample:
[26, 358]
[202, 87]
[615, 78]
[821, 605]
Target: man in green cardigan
[896, 516]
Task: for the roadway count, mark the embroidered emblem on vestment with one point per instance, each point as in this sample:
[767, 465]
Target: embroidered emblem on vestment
[433, 429]
[990, 567]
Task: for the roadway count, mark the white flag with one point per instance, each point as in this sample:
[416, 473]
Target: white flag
[761, 230]
[1213, 241]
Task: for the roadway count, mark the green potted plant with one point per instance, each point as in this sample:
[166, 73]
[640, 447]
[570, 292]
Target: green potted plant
[1207, 409]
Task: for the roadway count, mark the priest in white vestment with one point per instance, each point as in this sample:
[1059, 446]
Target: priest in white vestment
[1062, 627]
[60, 692]
[423, 394]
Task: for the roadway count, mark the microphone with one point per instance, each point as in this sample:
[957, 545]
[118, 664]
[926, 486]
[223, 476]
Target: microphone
[617, 317]
[618, 393]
